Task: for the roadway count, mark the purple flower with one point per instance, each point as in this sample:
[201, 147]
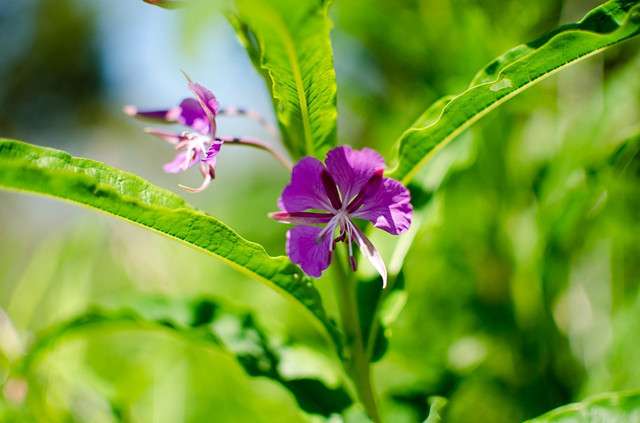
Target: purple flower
[200, 146]
[323, 200]
[197, 113]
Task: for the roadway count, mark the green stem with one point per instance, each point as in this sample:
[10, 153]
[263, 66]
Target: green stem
[375, 322]
[356, 362]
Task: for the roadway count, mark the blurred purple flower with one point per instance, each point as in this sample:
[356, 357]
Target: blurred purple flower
[201, 146]
[323, 199]
[197, 113]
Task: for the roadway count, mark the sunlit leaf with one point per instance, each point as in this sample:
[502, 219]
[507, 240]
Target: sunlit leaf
[509, 75]
[436, 405]
[24, 167]
[289, 44]
[205, 321]
[614, 407]
[167, 4]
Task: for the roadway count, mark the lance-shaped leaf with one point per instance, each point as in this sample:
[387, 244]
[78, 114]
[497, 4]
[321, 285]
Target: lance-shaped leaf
[613, 407]
[436, 405]
[167, 4]
[289, 44]
[54, 173]
[204, 321]
[512, 73]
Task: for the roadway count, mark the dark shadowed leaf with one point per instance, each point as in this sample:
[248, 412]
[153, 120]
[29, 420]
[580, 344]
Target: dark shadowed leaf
[205, 321]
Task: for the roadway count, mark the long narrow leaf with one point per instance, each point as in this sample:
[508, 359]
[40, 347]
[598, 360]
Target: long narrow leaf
[509, 75]
[24, 167]
[289, 44]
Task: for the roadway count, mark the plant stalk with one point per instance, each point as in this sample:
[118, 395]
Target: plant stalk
[356, 363]
[260, 145]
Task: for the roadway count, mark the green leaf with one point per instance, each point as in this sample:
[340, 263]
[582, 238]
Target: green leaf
[623, 158]
[378, 308]
[374, 305]
[509, 75]
[613, 407]
[205, 321]
[289, 44]
[436, 404]
[54, 173]
[166, 4]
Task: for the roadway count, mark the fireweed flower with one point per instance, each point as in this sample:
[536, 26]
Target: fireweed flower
[323, 200]
[199, 114]
[200, 145]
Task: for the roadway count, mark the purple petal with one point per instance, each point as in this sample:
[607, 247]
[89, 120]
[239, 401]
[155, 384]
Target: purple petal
[370, 188]
[189, 113]
[192, 115]
[207, 100]
[301, 218]
[331, 189]
[305, 191]
[163, 115]
[351, 169]
[304, 248]
[386, 204]
[370, 252]
[213, 151]
[179, 163]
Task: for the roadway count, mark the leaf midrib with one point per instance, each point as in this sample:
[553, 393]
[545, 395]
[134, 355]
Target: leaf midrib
[409, 175]
[290, 48]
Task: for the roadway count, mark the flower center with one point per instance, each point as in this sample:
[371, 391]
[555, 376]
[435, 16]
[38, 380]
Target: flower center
[194, 144]
[199, 142]
[339, 220]
[341, 216]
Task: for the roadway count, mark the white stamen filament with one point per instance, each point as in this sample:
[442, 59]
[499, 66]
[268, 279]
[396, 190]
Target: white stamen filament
[329, 229]
[342, 220]
[371, 254]
[349, 239]
[192, 144]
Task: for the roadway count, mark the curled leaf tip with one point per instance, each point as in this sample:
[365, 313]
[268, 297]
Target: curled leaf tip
[166, 4]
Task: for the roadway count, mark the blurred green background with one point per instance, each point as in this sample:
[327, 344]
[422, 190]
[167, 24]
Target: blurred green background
[522, 284]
